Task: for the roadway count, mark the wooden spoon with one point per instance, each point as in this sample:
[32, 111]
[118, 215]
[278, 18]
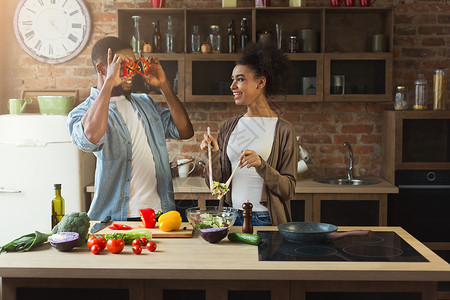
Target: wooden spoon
[209, 160]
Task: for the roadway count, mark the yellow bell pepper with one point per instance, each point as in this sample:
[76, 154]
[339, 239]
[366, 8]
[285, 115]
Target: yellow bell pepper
[169, 221]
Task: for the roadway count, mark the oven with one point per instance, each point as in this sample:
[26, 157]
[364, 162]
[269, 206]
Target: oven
[422, 206]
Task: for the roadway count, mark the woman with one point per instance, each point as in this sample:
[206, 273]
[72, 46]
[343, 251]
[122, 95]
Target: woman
[263, 143]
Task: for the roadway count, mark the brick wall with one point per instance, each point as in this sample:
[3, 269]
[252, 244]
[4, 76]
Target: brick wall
[421, 43]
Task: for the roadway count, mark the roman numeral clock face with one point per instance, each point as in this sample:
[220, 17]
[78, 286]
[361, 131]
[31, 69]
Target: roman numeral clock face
[52, 31]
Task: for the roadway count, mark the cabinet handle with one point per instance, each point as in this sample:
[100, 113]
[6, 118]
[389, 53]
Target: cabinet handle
[2, 190]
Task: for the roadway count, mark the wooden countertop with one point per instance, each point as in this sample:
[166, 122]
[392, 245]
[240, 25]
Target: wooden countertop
[193, 258]
[305, 186]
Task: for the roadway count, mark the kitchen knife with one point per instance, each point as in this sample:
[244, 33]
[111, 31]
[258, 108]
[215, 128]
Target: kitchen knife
[101, 224]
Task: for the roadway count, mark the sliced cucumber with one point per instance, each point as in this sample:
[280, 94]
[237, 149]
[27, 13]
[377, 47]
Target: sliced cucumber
[247, 238]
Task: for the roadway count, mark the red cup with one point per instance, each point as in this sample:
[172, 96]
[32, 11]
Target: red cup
[349, 3]
[158, 3]
[336, 3]
[366, 3]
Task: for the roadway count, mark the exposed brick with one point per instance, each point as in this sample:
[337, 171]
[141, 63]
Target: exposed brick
[417, 52]
[316, 138]
[357, 128]
[317, 117]
[437, 30]
[443, 19]
[340, 139]
[370, 139]
[403, 19]
[433, 42]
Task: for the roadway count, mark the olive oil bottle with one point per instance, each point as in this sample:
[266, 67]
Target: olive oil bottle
[57, 206]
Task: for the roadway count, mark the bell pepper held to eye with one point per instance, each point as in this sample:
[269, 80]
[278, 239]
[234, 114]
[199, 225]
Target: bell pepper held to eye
[148, 217]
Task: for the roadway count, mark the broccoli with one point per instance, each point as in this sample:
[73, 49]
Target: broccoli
[74, 222]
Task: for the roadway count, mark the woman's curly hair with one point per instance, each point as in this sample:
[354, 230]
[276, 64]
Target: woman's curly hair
[266, 60]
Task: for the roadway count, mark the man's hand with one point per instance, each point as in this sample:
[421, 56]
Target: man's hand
[155, 75]
[114, 68]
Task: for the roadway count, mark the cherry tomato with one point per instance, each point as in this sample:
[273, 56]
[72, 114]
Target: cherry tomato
[151, 246]
[137, 249]
[96, 249]
[115, 245]
[136, 242]
[96, 240]
[144, 241]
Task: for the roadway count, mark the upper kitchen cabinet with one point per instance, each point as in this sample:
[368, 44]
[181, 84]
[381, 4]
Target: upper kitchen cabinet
[358, 57]
[172, 63]
[343, 54]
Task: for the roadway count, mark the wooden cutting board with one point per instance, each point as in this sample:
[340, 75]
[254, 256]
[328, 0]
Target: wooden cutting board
[185, 230]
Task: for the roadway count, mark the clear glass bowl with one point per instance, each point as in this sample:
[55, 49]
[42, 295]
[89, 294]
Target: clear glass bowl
[212, 222]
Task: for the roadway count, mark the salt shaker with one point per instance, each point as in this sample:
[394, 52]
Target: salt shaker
[247, 225]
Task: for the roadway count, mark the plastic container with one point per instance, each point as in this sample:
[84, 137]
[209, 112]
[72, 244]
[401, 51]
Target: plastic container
[400, 100]
[440, 89]
[215, 39]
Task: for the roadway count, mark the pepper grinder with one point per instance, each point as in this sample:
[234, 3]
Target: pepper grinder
[247, 225]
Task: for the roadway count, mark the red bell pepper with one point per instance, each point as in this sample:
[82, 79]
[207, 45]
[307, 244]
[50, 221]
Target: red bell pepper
[148, 217]
[116, 226]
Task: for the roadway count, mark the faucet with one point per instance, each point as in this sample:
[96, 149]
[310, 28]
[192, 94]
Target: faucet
[350, 161]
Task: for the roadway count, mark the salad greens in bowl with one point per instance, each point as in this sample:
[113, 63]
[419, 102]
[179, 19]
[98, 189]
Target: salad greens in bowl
[212, 222]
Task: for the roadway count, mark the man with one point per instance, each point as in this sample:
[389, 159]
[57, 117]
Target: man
[127, 133]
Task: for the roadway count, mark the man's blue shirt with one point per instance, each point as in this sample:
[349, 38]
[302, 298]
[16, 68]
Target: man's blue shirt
[113, 152]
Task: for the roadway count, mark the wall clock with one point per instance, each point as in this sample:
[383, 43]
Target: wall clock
[52, 31]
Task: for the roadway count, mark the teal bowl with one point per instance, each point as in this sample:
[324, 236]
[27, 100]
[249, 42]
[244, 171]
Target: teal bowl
[59, 105]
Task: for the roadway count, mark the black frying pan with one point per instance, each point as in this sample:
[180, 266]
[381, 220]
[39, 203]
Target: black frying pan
[312, 232]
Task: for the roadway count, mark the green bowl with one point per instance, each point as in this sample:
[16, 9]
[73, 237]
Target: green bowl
[60, 105]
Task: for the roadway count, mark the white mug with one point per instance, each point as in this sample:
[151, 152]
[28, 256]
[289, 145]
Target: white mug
[301, 167]
[184, 171]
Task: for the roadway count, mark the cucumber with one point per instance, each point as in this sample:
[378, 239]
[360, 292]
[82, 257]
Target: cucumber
[247, 238]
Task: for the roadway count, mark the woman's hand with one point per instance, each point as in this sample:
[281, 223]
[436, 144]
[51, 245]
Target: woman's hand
[155, 75]
[249, 158]
[209, 140]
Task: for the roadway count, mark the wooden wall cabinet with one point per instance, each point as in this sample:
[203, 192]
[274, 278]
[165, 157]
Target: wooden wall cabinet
[415, 140]
[345, 48]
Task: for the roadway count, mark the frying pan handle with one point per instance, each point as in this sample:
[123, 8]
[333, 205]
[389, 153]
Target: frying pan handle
[339, 235]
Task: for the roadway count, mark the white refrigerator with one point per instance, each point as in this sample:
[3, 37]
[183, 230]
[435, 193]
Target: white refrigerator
[36, 153]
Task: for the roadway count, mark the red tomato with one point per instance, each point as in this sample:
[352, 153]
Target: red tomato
[137, 249]
[143, 241]
[96, 249]
[96, 240]
[136, 242]
[115, 245]
[151, 246]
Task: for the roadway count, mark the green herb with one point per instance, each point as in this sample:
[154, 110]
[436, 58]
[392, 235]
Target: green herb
[26, 242]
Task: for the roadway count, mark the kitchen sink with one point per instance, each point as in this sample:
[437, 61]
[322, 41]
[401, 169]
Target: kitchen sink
[346, 181]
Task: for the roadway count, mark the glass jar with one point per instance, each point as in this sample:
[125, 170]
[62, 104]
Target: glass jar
[420, 95]
[195, 40]
[440, 89]
[170, 36]
[400, 100]
[215, 39]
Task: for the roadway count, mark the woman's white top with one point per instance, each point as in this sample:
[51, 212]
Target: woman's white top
[252, 133]
[143, 184]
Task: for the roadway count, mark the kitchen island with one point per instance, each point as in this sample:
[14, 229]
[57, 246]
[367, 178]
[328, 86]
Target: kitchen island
[198, 270]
